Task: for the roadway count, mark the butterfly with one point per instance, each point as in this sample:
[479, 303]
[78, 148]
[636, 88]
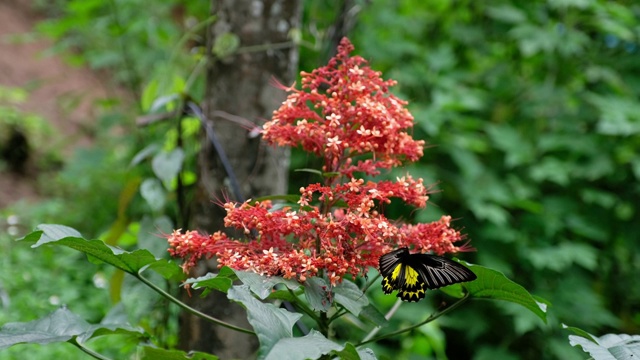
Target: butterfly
[413, 274]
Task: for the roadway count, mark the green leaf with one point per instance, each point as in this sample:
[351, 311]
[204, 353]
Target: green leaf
[580, 333]
[311, 346]
[455, 290]
[153, 193]
[50, 233]
[116, 318]
[310, 171]
[149, 150]
[131, 262]
[149, 93]
[609, 347]
[351, 353]
[349, 295]
[60, 326]
[492, 284]
[263, 285]
[167, 165]
[222, 281]
[285, 295]
[318, 293]
[270, 323]
[152, 353]
[164, 102]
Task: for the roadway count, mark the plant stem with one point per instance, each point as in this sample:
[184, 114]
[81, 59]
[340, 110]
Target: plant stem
[265, 47]
[368, 285]
[304, 308]
[324, 324]
[388, 316]
[190, 309]
[337, 315]
[429, 319]
[89, 351]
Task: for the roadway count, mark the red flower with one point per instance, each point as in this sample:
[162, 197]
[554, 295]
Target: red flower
[346, 114]
[347, 117]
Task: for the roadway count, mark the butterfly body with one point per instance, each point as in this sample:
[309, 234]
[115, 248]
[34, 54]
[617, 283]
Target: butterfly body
[413, 274]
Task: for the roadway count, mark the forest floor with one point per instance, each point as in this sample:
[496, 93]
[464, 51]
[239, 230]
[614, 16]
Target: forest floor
[53, 86]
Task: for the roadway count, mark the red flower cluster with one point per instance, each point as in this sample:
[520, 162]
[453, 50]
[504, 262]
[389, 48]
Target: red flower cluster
[346, 113]
[335, 229]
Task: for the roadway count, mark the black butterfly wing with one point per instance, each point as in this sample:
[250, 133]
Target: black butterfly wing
[389, 261]
[413, 274]
[398, 273]
[391, 268]
[436, 271]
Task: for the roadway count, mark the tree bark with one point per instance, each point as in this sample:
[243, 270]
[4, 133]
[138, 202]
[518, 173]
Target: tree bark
[239, 85]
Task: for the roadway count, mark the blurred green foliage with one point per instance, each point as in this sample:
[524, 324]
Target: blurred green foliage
[97, 189]
[532, 111]
[133, 39]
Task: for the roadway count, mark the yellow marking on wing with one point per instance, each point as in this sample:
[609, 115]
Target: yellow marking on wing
[412, 295]
[386, 286]
[410, 276]
[396, 272]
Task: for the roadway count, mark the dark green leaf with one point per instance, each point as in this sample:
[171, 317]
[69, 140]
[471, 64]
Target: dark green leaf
[580, 332]
[270, 323]
[351, 353]
[60, 326]
[285, 295]
[610, 346]
[263, 285]
[492, 284]
[318, 293]
[131, 262]
[152, 353]
[221, 281]
[53, 232]
[167, 165]
[350, 296]
[310, 171]
[311, 346]
[455, 290]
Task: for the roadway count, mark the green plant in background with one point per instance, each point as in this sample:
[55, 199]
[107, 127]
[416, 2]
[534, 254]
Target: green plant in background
[97, 188]
[113, 35]
[532, 111]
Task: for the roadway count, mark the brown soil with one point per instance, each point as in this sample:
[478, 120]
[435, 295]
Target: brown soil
[23, 64]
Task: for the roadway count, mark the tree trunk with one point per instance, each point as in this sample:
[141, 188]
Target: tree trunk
[241, 86]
